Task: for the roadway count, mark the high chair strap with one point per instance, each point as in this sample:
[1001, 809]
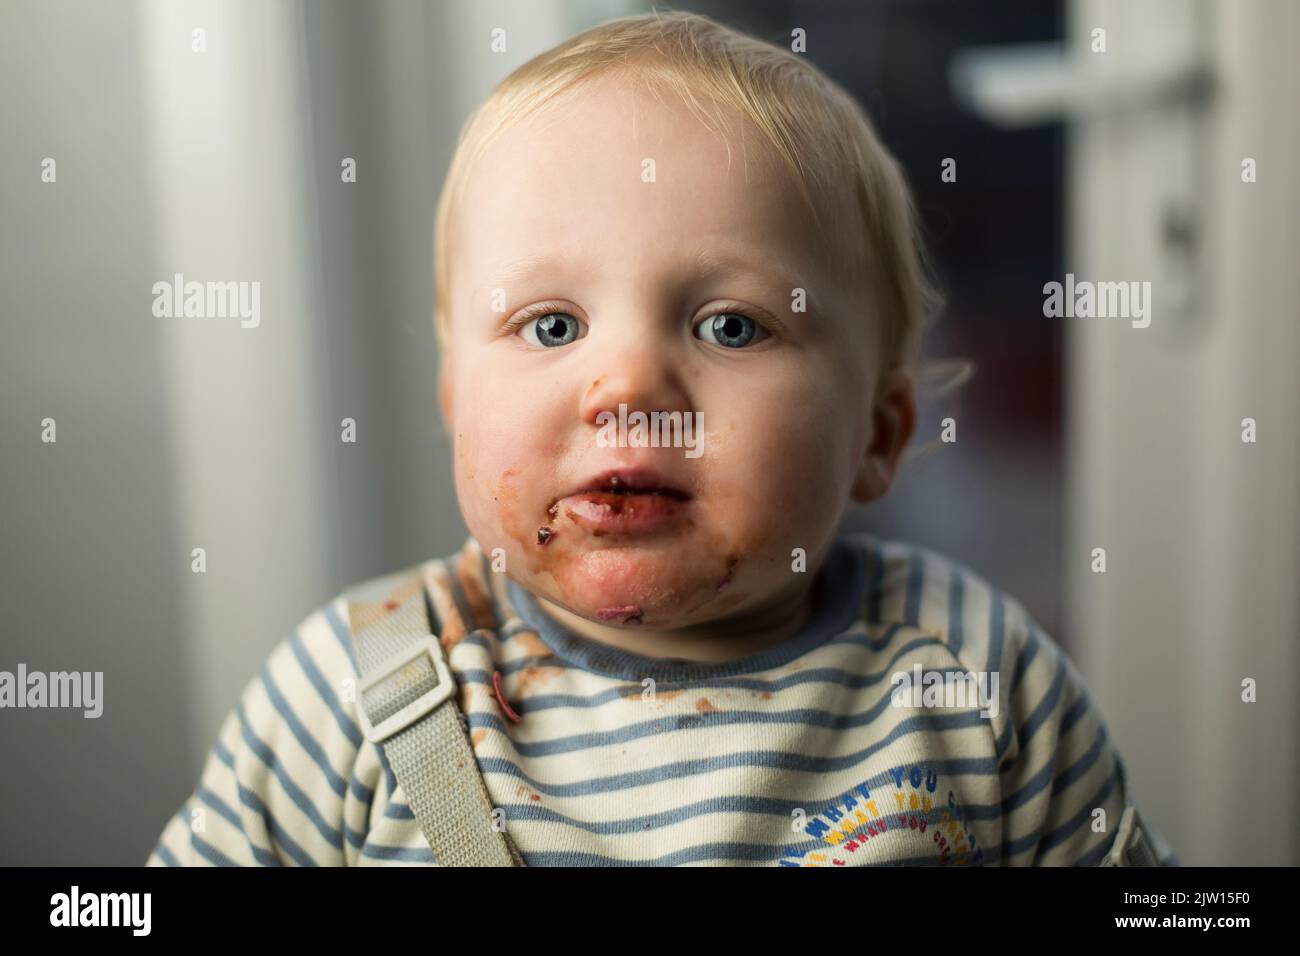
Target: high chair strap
[407, 702]
[1132, 846]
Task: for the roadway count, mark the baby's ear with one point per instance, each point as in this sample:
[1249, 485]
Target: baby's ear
[893, 419]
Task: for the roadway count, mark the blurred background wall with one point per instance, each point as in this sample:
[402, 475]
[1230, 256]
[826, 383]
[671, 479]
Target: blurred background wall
[224, 164]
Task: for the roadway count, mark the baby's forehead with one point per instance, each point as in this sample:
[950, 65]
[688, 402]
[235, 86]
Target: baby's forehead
[615, 133]
[612, 171]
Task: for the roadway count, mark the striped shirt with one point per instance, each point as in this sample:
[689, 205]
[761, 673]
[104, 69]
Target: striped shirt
[810, 753]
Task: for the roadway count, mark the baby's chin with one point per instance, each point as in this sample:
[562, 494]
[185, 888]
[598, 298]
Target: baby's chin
[653, 587]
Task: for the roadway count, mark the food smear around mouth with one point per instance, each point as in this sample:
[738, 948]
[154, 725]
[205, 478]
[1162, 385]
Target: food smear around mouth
[605, 512]
[666, 576]
[732, 561]
[629, 614]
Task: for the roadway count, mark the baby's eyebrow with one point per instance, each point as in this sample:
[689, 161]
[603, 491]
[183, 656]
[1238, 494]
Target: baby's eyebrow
[710, 261]
[706, 262]
[520, 269]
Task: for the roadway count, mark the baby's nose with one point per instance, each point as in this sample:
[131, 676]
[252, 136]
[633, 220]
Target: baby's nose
[642, 380]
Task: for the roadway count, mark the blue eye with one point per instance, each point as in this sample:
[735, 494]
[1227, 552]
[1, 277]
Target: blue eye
[730, 330]
[551, 330]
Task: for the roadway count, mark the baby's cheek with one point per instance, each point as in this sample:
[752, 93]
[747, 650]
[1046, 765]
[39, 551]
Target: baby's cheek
[788, 471]
[503, 504]
[483, 496]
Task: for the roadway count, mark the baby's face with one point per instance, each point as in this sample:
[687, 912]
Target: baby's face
[609, 253]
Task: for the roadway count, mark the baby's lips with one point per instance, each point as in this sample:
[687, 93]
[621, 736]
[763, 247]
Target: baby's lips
[635, 513]
[630, 480]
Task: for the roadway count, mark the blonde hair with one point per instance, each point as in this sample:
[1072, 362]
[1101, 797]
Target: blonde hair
[816, 128]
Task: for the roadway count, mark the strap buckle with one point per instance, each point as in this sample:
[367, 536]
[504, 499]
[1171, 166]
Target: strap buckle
[407, 671]
[1132, 846]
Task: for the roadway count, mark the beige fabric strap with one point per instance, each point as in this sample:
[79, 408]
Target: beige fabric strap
[1132, 846]
[407, 699]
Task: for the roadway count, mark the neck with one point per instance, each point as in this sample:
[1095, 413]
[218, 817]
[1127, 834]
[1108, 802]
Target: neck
[713, 641]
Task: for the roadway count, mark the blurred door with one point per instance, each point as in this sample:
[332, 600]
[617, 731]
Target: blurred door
[1181, 135]
[1201, 528]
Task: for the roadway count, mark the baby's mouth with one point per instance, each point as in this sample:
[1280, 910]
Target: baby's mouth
[620, 502]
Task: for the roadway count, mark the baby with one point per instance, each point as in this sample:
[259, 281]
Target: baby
[678, 298]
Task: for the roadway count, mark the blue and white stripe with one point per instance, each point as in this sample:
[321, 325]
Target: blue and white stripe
[714, 769]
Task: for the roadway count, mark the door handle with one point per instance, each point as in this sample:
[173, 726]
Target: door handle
[1017, 86]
